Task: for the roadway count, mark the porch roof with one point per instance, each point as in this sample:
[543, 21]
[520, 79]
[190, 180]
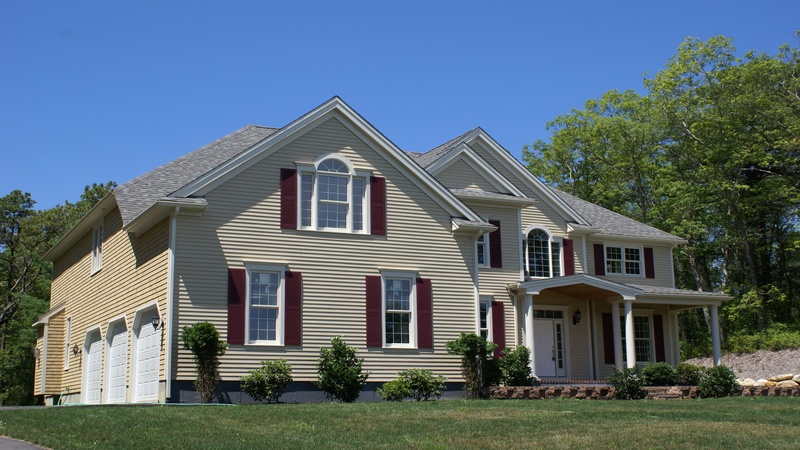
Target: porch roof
[588, 287]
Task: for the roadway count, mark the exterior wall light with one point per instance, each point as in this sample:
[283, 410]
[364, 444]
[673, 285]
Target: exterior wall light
[157, 323]
[576, 318]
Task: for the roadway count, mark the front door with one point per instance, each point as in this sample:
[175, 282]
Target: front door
[549, 354]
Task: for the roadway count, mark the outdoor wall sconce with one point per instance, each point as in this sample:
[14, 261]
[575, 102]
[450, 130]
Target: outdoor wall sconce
[157, 323]
[576, 318]
[37, 353]
[75, 350]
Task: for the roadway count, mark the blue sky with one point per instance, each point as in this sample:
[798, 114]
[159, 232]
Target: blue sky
[92, 91]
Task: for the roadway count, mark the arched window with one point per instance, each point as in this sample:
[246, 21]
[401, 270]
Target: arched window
[542, 255]
[332, 196]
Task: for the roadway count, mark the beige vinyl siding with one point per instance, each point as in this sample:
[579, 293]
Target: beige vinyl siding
[133, 274]
[55, 353]
[242, 225]
[461, 175]
[38, 363]
[662, 264]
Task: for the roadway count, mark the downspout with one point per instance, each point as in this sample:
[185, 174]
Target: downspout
[476, 283]
[173, 225]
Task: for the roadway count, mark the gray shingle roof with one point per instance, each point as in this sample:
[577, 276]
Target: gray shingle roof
[609, 222]
[428, 158]
[137, 195]
[672, 291]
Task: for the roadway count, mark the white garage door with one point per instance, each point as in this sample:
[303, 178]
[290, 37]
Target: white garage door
[118, 363]
[94, 365]
[148, 349]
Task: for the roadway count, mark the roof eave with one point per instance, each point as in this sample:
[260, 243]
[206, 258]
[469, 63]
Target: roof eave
[84, 225]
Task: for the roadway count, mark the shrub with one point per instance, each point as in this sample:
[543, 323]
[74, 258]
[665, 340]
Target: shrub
[515, 366]
[627, 384]
[202, 339]
[717, 381]
[419, 384]
[269, 382]
[777, 336]
[339, 372]
[688, 374]
[474, 351]
[658, 374]
[395, 390]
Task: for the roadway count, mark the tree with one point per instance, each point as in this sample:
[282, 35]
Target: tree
[202, 339]
[711, 153]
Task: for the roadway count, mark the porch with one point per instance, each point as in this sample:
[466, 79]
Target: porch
[576, 326]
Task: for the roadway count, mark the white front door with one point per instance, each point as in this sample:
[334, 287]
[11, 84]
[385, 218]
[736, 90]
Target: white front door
[118, 363]
[94, 365]
[549, 354]
[148, 350]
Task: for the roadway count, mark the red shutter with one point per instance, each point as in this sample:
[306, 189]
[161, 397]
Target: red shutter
[374, 289]
[608, 338]
[424, 313]
[237, 290]
[658, 338]
[293, 321]
[599, 260]
[377, 207]
[495, 247]
[649, 269]
[498, 327]
[569, 257]
[289, 198]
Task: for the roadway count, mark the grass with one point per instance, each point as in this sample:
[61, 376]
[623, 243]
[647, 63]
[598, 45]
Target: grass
[740, 422]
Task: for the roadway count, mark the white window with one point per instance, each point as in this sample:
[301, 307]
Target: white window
[333, 196]
[67, 338]
[542, 254]
[265, 301]
[97, 248]
[483, 250]
[399, 308]
[623, 260]
[643, 341]
[485, 319]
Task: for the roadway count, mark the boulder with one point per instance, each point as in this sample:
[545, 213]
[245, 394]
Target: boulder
[760, 383]
[787, 383]
[771, 383]
[747, 382]
[796, 378]
[784, 377]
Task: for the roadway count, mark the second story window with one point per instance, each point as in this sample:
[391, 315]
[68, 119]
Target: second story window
[332, 196]
[623, 260]
[542, 255]
[483, 251]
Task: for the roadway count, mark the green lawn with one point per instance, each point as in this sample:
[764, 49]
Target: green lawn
[714, 423]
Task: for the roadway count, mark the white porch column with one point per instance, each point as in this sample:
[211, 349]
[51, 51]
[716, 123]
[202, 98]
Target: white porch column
[715, 335]
[617, 335]
[630, 341]
[529, 330]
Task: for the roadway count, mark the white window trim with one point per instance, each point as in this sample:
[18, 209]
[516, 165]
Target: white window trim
[486, 250]
[97, 248]
[279, 322]
[639, 313]
[550, 241]
[489, 331]
[622, 248]
[311, 169]
[67, 339]
[412, 300]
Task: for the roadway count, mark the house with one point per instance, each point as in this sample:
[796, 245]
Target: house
[284, 238]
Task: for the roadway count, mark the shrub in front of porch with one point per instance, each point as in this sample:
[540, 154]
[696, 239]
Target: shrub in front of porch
[628, 383]
[688, 374]
[658, 374]
[717, 381]
[515, 367]
[477, 365]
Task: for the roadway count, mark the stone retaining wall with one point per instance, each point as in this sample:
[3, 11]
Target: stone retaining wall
[607, 392]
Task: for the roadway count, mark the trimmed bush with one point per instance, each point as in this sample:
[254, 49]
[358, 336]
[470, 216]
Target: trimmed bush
[202, 339]
[628, 384]
[339, 372]
[269, 382]
[515, 367]
[658, 374]
[717, 381]
[474, 351]
[688, 374]
[419, 384]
